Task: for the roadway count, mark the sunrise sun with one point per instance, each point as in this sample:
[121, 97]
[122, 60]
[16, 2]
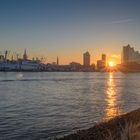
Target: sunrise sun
[111, 64]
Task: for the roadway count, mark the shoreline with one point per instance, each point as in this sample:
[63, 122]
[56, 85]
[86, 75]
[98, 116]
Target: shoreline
[75, 71]
[122, 127]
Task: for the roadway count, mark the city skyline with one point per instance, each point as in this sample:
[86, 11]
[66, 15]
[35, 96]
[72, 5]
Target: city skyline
[69, 28]
[130, 51]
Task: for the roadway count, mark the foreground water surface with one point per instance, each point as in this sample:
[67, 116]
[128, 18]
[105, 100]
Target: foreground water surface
[48, 105]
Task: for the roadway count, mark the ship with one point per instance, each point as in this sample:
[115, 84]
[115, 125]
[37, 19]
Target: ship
[21, 64]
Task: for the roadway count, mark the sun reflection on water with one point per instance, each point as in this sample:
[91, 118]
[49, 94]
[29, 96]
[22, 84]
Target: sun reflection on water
[112, 109]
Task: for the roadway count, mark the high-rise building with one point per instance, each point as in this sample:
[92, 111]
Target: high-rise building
[101, 64]
[25, 55]
[104, 59]
[86, 59]
[130, 55]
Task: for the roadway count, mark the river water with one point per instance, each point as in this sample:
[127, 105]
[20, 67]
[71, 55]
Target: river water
[49, 105]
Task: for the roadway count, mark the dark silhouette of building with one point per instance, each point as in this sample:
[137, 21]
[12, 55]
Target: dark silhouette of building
[57, 61]
[101, 64]
[74, 66]
[104, 59]
[5, 55]
[1, 57]
[129, 55]
[25, 57]
[86, 59]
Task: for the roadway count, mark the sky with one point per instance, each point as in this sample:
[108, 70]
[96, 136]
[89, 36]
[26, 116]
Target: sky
[68, 28]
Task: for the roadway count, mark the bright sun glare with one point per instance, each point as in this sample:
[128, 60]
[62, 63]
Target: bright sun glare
[111, 64]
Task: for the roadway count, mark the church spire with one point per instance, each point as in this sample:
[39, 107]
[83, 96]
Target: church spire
[25, 55]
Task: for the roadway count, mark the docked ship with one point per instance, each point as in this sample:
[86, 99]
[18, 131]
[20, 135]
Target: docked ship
[23, 64]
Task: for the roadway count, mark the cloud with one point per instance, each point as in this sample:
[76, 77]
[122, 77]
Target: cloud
[122, 21]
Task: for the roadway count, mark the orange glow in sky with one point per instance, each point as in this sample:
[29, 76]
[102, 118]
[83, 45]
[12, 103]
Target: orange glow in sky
[111, 63]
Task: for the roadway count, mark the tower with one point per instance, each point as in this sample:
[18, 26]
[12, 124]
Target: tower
[57, 61]
[86, 59]
[104, 59]
[25, 55]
